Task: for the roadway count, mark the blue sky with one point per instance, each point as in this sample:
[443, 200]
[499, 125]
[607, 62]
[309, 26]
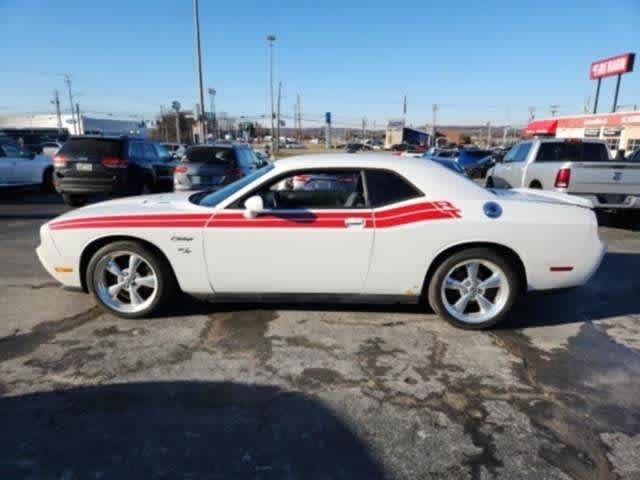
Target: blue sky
[480, 60]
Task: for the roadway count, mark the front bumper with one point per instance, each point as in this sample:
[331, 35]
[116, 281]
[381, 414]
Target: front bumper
[65, 270]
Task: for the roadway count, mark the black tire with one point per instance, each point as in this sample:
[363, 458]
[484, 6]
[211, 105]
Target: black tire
[74, 200]
[489, 183]
[47, 180]
[480, 253]
[166, 283]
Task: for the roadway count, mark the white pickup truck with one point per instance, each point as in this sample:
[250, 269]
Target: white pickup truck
[577, 167]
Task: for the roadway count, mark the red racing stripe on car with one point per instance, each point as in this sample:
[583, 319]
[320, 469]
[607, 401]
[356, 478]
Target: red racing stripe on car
[383, 218]
[134, 221]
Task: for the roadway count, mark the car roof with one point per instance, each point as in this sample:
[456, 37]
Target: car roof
[438, 181]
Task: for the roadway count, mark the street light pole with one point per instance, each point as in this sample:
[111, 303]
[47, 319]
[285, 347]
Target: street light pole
[203, 124]
[271, 39]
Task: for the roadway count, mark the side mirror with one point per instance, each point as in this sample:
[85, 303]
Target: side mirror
[254, 206]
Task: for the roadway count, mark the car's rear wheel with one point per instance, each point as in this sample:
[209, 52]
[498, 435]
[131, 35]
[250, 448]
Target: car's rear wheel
[129, 280]
[474, 288]
[74, 200]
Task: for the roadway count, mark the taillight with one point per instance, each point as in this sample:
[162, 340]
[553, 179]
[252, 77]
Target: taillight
[114, 162]
[563, 177]
[59, 161]
[180, 169]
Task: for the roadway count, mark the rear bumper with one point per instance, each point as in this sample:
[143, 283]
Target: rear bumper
[631, 202]
[117, 183]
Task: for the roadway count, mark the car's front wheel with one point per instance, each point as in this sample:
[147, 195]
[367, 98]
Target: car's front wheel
[130, 280]
[474, 288]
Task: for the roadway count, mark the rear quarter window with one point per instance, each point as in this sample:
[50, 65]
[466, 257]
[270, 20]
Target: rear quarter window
[92, 146]
[385, 187]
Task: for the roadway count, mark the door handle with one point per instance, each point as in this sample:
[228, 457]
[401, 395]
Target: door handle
[354, 222]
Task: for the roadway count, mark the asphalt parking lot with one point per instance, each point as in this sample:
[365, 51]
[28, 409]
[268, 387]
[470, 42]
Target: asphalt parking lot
[276, 391]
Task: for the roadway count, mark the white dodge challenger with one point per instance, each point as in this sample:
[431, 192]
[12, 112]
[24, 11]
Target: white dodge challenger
[336, 224]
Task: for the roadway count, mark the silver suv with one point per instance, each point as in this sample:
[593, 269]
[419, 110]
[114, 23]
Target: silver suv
[209, 167]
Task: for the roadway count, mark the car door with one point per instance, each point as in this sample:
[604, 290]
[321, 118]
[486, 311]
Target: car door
[508, 173]
[314, 236]
[165, 164]
[141, 166]
[151, 162]
[27, 168]
[8, 158]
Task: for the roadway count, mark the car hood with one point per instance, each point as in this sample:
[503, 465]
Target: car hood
[177, 202]
[542, 196]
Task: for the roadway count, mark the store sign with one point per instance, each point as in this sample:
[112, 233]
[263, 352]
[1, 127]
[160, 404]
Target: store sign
[612, 66]
[592, 132]
[612, 132]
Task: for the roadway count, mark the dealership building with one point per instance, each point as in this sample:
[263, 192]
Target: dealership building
[70, 125]
[620, 130]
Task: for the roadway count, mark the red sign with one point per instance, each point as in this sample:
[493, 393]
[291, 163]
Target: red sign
[612, 66]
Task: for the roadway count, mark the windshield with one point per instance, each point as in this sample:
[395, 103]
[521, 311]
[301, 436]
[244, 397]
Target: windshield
[214, 198]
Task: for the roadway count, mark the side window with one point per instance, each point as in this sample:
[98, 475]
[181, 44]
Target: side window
[386, 187]
[321, 189]
[11, 151]
[149, 152]
[511, 154]
[523, 151]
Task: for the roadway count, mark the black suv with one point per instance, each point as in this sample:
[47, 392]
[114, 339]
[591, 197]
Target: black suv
[114, 165]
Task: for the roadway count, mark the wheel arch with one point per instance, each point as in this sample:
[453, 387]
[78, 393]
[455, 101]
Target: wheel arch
[535, 183]
[508, 252]
[96, 244]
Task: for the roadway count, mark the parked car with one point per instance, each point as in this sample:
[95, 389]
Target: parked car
[88, 165]
[577, 167]
[213, 166]
[634, 156]
[356, 147]
[21, 167]
[466, 251]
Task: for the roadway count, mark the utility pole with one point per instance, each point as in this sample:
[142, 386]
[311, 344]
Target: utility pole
[176, 106]
[298, 116]
[56, 102]
[271, 38]
[67, 80]
[212, 99]
[278, 118]
[554, 109]
[532, 113]
[364, 128]
[434, 109]
[203, 122]
[78, 117]
[163, 125]
[488, 134]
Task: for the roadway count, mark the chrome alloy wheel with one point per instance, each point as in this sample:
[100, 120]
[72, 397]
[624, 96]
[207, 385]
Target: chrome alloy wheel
[475, 291]
[125, 281]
